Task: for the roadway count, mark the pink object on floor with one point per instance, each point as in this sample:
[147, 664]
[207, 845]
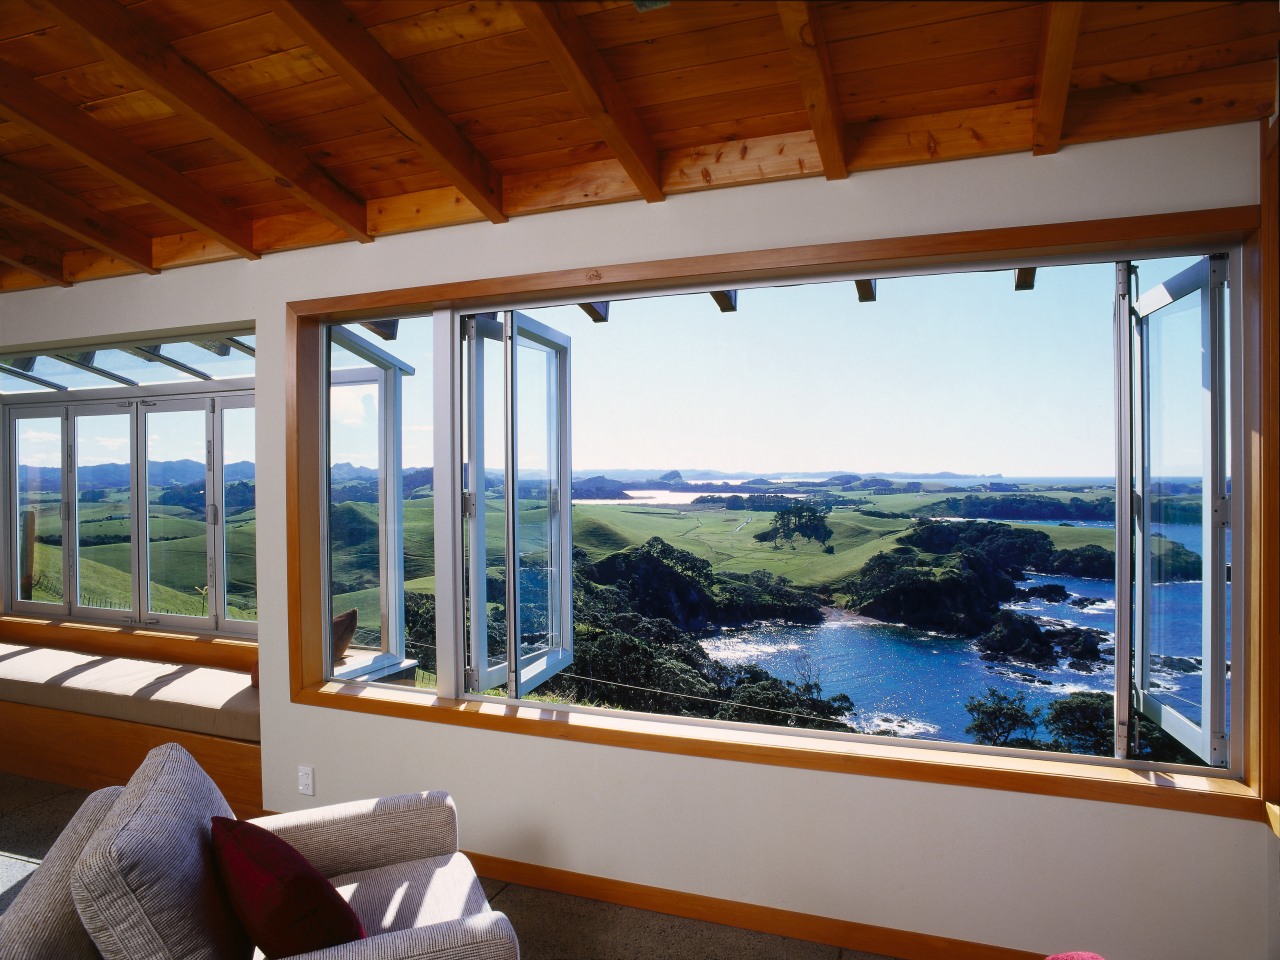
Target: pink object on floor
[1076, 955]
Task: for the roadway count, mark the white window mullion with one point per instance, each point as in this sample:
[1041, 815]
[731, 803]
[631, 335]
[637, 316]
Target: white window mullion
[447, 476]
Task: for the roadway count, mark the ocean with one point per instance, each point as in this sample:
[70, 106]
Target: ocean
[915, 683]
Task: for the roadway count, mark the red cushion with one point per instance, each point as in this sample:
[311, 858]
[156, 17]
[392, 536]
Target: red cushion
[285, 904]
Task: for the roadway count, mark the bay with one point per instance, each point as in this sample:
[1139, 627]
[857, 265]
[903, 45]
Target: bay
[914, 683]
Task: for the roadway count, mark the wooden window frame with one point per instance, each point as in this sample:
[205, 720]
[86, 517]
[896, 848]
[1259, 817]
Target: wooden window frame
[1253, 797]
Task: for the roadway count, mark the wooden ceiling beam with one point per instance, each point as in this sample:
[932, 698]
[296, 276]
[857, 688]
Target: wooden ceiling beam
[556, 30]
[334, 32]
[74, 217]
[74, 132]
[802, 26]
[34, 256]
[1059, 31]
[133, 46]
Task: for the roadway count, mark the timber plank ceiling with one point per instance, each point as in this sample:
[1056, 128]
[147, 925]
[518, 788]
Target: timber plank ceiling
[137, 135]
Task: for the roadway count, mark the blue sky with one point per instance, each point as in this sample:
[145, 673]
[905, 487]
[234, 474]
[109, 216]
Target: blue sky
[950, 372]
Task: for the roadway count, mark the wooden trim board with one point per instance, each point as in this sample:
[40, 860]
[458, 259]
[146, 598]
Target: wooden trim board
[848, 934]
[79, 750]
[199, 650]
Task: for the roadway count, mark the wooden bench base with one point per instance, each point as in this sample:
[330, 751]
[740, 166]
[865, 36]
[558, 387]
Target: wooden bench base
[89, 752]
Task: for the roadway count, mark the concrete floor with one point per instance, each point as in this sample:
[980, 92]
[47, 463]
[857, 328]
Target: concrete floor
[551, 926]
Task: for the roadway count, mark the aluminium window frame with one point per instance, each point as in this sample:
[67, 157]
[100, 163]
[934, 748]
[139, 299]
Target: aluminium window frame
[1129, 782]
[127, 400]
[384, 371]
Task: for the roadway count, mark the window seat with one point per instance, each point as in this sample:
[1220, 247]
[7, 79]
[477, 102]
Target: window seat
[88, 719]
[208, 700]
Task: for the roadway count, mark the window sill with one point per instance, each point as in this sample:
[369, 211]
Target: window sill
[202, 650]
[1184, 791]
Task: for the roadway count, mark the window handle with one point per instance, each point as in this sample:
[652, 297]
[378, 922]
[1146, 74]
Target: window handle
[213, 514]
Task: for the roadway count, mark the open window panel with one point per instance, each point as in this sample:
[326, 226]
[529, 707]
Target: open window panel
[517, 491]
[1173, 634]
[366, 510]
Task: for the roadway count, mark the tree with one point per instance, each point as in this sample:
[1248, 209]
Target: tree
[1083, 723]
[998, 716]
[798, 518]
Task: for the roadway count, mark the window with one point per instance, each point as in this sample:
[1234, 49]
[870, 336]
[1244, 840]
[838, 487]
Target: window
[967, 605]
[131, 486]
[1094, 773]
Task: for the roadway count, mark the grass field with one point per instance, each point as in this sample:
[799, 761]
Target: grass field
[726, 537]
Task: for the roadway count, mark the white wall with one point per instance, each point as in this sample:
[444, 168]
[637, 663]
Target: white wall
[1029, 872]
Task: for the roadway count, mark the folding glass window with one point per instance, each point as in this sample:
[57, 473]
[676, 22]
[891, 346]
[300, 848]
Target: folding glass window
[519, 533]
[1174, 629]
[130, 511]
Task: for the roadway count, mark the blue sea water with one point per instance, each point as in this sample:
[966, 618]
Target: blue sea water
[915, 683]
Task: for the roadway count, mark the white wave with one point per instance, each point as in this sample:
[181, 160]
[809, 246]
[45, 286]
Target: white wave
[731, 650]
[892, 723]
[1075, 687]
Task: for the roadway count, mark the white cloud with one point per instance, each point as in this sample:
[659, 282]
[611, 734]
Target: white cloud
[354, 406]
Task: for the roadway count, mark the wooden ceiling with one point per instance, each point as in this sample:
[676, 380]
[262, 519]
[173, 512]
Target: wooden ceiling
[137, 135]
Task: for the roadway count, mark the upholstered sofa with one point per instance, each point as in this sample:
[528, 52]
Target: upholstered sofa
[132, 877]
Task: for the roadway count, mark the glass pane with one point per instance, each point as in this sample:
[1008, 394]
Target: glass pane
[355, 517]
[239, 514]
[140, 369]
[417, 481]
[38, 453]
[104, 511]
[495, 509]
[1175, 612]
[177, 528]
[535, 426]
[56, 371]
[11, 384]
[211, 357]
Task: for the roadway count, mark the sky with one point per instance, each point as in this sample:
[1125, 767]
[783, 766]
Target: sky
[105, 438]
[955, 372]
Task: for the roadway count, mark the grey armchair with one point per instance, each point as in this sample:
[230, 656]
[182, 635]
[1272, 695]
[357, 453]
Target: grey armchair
[131, 877]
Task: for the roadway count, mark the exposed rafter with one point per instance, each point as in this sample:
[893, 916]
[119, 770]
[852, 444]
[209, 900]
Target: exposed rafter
[598, 311]
[802, 26]
[133, 46]
[74, 217]
[340, 38]
[1059, 32]
[219, 348]
[866, 290]
[562, 38]
[51, 118]
[726, 300]
[1024, 278]
[383, 329]
[34, 256]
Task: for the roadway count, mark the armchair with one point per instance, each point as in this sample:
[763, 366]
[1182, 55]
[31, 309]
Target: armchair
[132, 877]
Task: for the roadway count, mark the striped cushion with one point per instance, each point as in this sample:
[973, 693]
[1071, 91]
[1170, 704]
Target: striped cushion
[145, 886]
[42, 923]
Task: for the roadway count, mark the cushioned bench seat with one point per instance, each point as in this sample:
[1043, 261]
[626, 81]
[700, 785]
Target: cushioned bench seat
[207, 700]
